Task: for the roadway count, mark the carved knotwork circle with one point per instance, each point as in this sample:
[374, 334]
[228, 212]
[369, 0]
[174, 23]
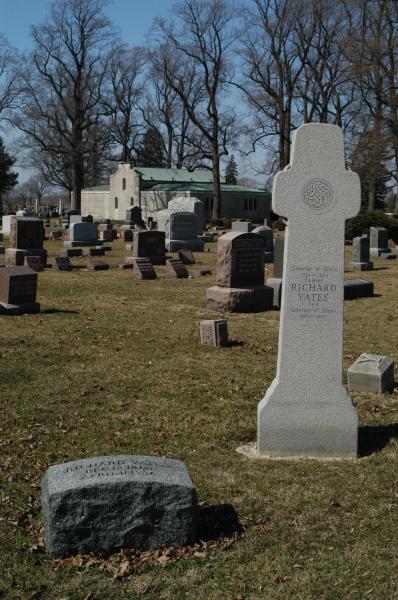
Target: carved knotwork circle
[317, 194]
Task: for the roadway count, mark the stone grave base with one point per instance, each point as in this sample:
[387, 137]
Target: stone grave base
[357, 288]
[376, 252]
[74, 244]
[175, 245]
[14, 257]
[361, 266]
[19, 309]
[387, 256]
[250, 451]
[292, 423]
[225, 299]
[276, 284]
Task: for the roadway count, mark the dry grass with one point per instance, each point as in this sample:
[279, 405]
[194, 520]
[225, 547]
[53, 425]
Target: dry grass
[113, 365]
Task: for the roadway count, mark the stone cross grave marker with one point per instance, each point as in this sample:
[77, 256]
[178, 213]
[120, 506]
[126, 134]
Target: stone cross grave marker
[307, 411]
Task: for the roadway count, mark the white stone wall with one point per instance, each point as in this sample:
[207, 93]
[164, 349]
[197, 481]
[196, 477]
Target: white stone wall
[96, 203]
[130, 196]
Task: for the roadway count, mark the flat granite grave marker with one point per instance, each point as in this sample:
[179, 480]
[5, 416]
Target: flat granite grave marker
[18, 288]
[111, 502]
[61, 263]
[143, 269]
[97, 265]
[307, 411]
[175, 269]
[240, 275]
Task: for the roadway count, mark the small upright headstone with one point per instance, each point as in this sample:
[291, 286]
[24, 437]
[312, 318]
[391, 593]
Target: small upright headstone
[175, 269]
[379, 241]
[73, 252]
[268, 235]
[189, 204]
[56, 235]
[150, 244]
[18, 289]
[181, 229]
[214, 332]
[61, 263]
[307, 411]
[82, 234]
[186, 257]
[126, 235]
[372, 373]
[34, 262]
[94, 252]
[107, 503]
[240, 275]
[361, 254]
[133, 218]
[26, 239]
[143, 269]
[242, 226]
[276, 280]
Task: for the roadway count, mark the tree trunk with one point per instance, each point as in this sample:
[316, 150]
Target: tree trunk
[216, 212]
[1, 207]
[372, 195]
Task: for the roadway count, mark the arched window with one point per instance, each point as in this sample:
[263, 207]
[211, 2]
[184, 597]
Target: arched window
[116, 202]
[124, 183]
[131, 201]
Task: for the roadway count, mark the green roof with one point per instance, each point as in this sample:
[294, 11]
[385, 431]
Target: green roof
[97, 188]
[178, 175]
[200, 187]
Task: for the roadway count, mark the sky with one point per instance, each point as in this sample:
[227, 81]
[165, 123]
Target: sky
[133, 17]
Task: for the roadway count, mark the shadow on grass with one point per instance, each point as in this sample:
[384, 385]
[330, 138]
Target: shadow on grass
[54, 311]
[373, 438]
[218, 521]
[232, 343]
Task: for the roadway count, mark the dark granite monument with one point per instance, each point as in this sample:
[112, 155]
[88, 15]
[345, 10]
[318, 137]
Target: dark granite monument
[26, 239]
[240, 275]
[361, 254]
[18, 289]
[150, 244]
[61, 263]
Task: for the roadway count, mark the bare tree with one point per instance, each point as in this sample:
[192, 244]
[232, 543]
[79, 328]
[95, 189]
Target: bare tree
[125, 87]
[202, 39]
[8, 76]
[62, 94]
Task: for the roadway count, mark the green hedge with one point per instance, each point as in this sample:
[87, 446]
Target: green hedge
[365, 220]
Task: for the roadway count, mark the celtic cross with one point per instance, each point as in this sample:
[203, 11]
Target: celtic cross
[306, 410]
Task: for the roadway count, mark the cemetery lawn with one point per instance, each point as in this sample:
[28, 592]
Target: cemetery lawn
[113, 365]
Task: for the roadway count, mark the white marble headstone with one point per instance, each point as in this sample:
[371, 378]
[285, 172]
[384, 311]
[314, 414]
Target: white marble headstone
[307, 411]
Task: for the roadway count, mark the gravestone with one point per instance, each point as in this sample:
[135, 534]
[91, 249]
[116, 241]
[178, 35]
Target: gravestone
[268, 235]
[97, 265]
[307, 411]
[214, 332]
[186, 257]
[106, 235]
[133, 218]
[150, 244]
[82, 234]
[242, 226]
[189, 204]
[180, 229]
[18, 289]
[358, 288]
[94, 252]
[26, 239]
[56, 235]
[276, 280]
[71, 252]
[2, 249]
[175, 269]
[379, 241]
[61, 263]
[361, 254]
[143, 269]
[34, 262]
[201, 272]
[126, 235]
[111, 502]
[6, 224]
[240, 275]
[372, 373]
